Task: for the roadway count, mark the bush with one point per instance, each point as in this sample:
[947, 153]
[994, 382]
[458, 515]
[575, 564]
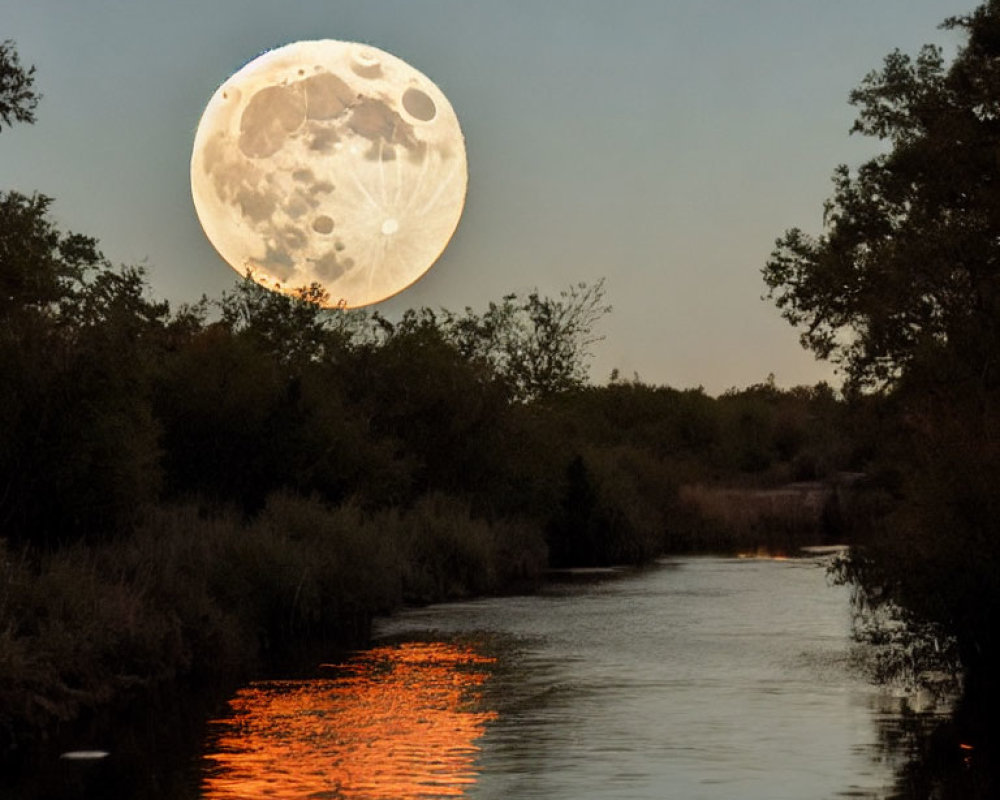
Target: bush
[197, 593]
[449, 553]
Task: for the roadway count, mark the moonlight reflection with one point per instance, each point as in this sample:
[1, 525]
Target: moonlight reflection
[333, 163]
[400, 724]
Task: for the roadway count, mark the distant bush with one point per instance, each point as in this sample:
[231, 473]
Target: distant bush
[447, 553]
[611, 509]
[733, 518]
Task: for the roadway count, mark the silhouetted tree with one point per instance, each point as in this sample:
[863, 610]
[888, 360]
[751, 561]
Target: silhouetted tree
[907, 265]
[540, 345]
[40, 267]
[77, 441]
[903, 289]
[293, 329]
[18, 98]
[443, 409]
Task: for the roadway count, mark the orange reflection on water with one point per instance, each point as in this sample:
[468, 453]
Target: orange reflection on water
[400, 723]
[764, 553]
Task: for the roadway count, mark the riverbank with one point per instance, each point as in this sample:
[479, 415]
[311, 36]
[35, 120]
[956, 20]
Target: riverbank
[156, 735]
[197, 598]
[200, 598]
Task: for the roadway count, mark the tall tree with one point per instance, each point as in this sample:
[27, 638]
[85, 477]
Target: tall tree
[39, 265]
[902, 288]
[907, 268]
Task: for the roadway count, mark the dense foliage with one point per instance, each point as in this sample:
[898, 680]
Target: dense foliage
[903, 289]
[905, 272]
[185, 492]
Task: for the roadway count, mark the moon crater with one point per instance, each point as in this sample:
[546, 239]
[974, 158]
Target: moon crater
[322, 224]
[321, 136]
[418, 105]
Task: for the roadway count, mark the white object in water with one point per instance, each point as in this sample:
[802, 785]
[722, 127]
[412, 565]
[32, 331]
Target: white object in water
[84, 755]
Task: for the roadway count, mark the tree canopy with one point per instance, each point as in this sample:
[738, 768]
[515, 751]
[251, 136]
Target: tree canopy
[907, 268]
[902, 289]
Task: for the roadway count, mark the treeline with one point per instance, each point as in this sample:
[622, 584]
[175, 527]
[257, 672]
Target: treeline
[186, 491]
[114, 404]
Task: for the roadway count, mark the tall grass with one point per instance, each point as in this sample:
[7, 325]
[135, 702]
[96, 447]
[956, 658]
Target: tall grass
[724, 518]
[202, 595]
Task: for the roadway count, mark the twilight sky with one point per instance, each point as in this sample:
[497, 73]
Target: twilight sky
[661, 144]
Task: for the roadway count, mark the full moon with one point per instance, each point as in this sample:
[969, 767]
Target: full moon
[332, 163]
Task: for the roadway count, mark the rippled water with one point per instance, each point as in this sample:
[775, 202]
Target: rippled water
[701, 678]
[395, 722]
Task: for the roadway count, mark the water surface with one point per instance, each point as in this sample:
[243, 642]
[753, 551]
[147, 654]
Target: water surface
[699, 678]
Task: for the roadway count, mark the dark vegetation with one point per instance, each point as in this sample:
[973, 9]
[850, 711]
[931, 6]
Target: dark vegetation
[903, 289]
[188, 494]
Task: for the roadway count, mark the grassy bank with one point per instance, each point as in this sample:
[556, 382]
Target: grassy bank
[205, 596]
[199, 597]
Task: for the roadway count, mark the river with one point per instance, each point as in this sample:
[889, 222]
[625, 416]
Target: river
[698, 678]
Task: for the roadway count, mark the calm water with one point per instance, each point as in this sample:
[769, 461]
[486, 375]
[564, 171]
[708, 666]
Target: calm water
[700, 678]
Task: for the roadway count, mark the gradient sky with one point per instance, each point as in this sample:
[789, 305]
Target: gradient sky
[660, 144]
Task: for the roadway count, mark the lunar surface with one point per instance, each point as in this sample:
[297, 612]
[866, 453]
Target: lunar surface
[333, 163]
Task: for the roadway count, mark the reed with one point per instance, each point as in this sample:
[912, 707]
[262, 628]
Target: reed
[201, 595]
[742, 519]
